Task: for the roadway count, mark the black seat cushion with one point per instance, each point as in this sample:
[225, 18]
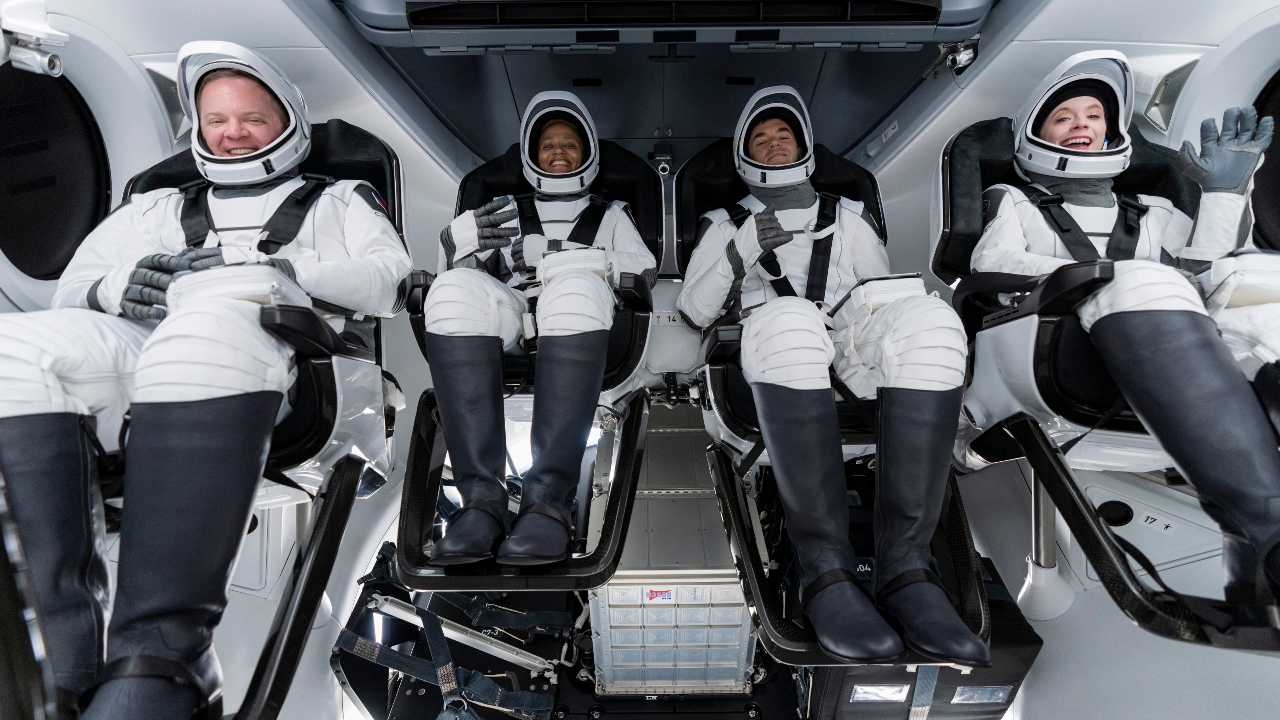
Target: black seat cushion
[981, 155]
[623, 176]
[1070, 374]
[708, 181]
[339, 150]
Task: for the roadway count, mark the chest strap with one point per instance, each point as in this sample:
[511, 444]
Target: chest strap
[585, 228]
[279, 230]
[1123, 243]
[819, 258]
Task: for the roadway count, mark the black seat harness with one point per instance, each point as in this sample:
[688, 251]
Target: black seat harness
[1123, 242]
[819, 260]
[280, 229]
[585, 228]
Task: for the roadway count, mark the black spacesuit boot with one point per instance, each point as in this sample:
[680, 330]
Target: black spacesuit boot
[917, 431]
[467, 375]
[570, 369]
[802, 437]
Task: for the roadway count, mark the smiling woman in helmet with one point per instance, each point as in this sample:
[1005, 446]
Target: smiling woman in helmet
[569, 252]
[1162, 346]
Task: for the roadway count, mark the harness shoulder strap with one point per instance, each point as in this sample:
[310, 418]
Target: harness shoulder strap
[815, 289]
[1124, 236]
[279, 230]
[287, 220]
[530, 224]
[1063, 224]
[588, 223]
[195, 212]
[738, 215]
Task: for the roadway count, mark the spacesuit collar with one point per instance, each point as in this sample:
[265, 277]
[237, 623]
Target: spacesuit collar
[227, 192]
[789, 197]
[1085, 192]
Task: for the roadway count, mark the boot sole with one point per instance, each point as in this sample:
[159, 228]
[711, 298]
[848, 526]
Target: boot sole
[452, 560]
[530, 560]
[888, 660]
[943, 659]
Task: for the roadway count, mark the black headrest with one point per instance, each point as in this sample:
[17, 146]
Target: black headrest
[338, 149]
[623, 176]
[708, 181]
[981, 155]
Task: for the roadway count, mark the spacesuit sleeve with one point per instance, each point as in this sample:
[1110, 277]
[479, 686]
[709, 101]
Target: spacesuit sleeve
[627, 251]
[99, 271]
[1003, 245]
[367, 280]
[714, 274]
[1223, 223]
[867, 255]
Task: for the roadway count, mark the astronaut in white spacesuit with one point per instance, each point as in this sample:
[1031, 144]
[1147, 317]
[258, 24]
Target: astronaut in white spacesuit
[787, 257]
[202, 382]
[1150, 324]
[568, 252]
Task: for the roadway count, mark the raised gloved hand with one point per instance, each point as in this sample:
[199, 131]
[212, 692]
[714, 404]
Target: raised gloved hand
[196, 259]
[768, 234]
[1227, 160]
[478, 230]
[144, 295]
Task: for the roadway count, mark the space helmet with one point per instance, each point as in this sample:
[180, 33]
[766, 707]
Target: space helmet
[558, 106]
[784, 103]
[1104, 74]
[198, 59]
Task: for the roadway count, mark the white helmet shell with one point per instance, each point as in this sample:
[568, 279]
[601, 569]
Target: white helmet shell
[568, 106]
[1033, 154]
[775, 98]
[195, 60]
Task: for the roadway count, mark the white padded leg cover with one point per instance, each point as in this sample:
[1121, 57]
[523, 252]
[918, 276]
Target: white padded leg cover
[1141, 285]
[69, 360]
[210, 349]
[785, 342]
[1252, 333]
[916, 343]
[468, 302]
[573, 303]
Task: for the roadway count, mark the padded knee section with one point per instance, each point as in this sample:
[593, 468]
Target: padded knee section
[1141, 285]
[459, 304]
[67, 360]
[211, 350]
[574, 303]
[785, 342]
[31, 385]
[913, 343]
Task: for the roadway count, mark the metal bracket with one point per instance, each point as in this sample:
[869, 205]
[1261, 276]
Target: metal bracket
[401, 610]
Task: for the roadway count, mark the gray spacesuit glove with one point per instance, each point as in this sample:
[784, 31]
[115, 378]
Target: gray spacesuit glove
[196, 259]
[1227, 160]
[479, 230]
[144, 296]
[768, 235]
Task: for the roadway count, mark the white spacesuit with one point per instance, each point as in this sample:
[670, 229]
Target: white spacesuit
[1150, 323]
[203, 387]
[802, 267]
[568, 251]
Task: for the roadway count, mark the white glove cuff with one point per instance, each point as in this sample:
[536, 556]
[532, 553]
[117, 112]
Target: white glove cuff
[465, 234]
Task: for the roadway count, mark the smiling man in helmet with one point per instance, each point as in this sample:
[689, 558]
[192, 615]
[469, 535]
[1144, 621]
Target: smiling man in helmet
[568, 252]
[1158, 340]
[790, 259]
[202, 382]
